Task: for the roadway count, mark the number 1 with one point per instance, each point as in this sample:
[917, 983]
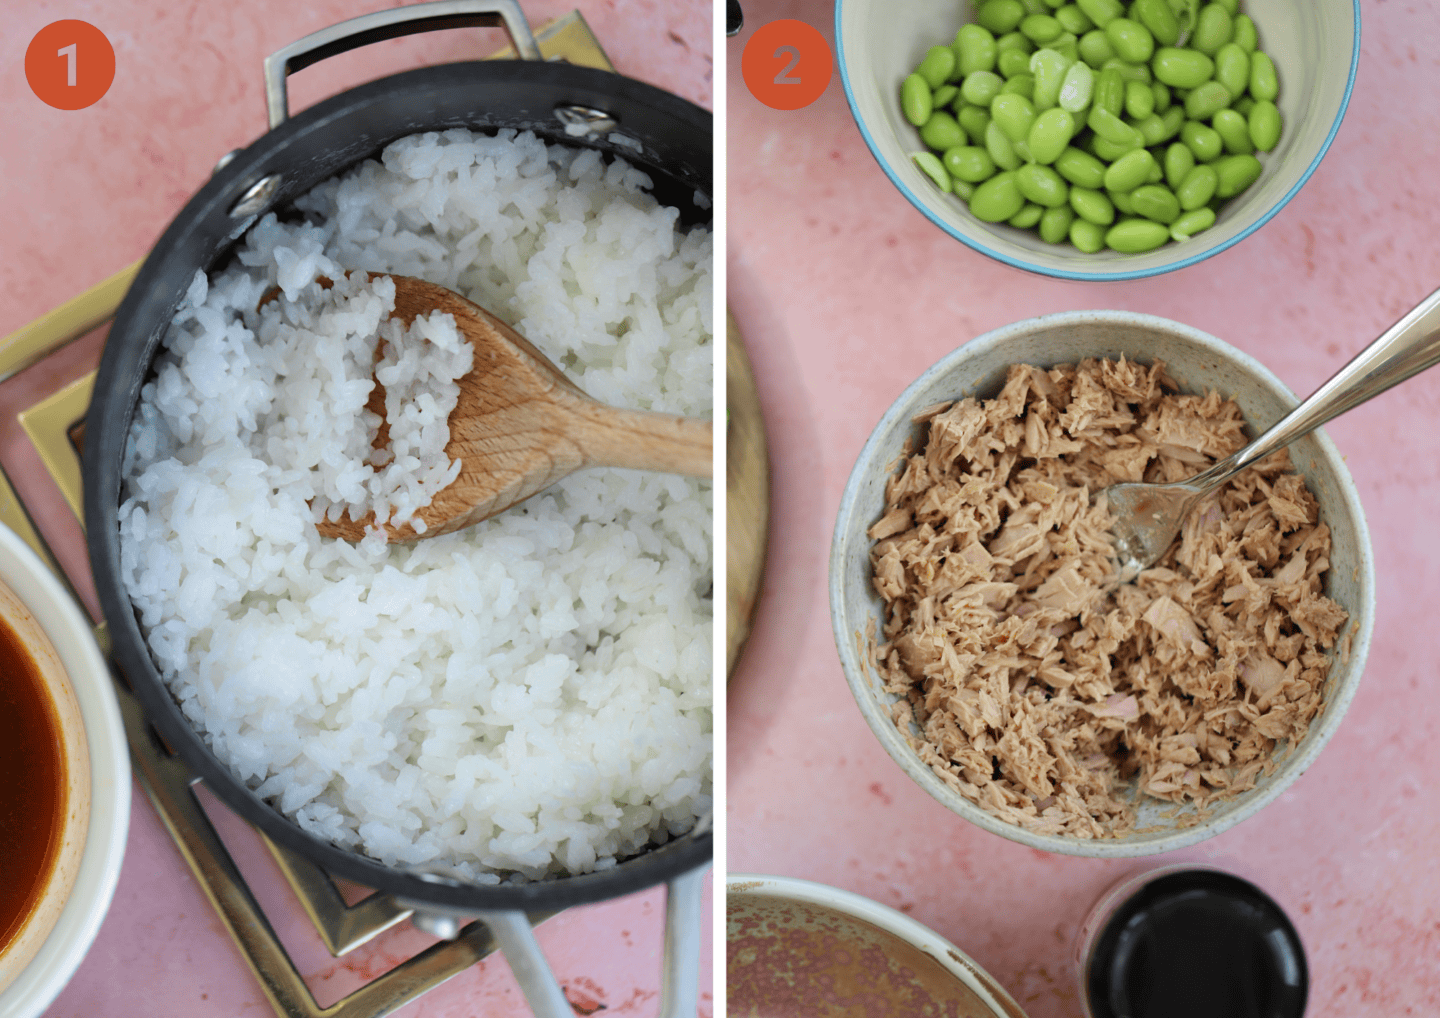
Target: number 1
[69, 54]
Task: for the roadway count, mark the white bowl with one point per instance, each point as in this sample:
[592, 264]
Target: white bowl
[798, 947]
[1197, 362]
[99, 869]
[1316, 48]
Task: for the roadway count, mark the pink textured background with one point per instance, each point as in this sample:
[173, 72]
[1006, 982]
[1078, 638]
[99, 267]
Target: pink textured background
[85, 193]
[846, 294]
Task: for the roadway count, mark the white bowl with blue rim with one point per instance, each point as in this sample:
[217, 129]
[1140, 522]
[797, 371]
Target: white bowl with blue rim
[1316, 48]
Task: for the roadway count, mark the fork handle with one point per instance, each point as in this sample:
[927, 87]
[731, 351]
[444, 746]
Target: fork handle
[1406, 348]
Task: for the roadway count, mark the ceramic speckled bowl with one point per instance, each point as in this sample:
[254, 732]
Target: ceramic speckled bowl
[1197, 362]
[794, 948]
[1316, 48]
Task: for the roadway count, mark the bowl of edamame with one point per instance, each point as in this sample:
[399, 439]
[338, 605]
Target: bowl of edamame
[947, 631]
[1098, 139]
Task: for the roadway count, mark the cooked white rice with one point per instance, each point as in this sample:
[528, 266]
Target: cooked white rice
[528, 697]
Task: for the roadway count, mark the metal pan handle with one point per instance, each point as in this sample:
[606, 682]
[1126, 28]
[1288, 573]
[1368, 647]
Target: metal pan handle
[391, 24]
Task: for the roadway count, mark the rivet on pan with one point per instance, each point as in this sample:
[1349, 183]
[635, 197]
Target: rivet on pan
[583, 120]
[225, 161]
[443, 926]
[257, 197]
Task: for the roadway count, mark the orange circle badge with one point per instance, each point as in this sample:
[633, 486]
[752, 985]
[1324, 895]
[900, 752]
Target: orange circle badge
[70, 64]
[786, 64]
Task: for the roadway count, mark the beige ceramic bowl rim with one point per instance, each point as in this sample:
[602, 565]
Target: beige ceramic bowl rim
[1203, 252]
[912, 931]
[856, 671]
[35, 927]
[70, 632]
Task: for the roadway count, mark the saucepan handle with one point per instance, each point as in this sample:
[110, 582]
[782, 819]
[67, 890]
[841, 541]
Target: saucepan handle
[391, 24]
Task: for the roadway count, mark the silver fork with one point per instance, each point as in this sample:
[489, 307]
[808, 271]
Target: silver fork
[1148, 516]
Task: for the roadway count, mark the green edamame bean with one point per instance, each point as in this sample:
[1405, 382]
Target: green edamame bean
[1198, 187]
[1244, 105]
[1192, 223]
[1095, 48]
[1028, 216]
[1014, 42]
[1152, 129]
[1213, 29]
[1000, 16]
[1042, 185]
[1234, 132]
[1132, 41]
[1139, 99]
[975, 49]
[1087, 236]
[1245, 35]
[1022, 150]
[1109, 151]
[974, 119]
[1129, 171]
[1035, 6]
[969, 163]
[1156, 203]
[1067, 46]
[1055, 224]
[1162, 96]
[938, 65]
[1236, 173]
[1078, 88]
[1201, 140]
[1081, 168]
[941, 132]
[1110, 92]
[1102, 12]
[1157, 16]
[997, 199]
[1092, 206]
[1049, 68]
[916, 99]
[1263, 82]
[1121, 201]
[1173, 119]
[1012, 62]
[1157, 172]
[1021, 84]
[963, 190]
[1110, 127]
[1206, 101]
[944, 96]
[1182, 68]
[1231, 6]
[1264, 125]
[1050, 135]
[1002, 150]
[1041, 28]
[930, 164]
[1129, 71]
[1074, 20]
[1136, 235]
[1013, 114]
[1232, 68]
[981, 87]
[1179, 161]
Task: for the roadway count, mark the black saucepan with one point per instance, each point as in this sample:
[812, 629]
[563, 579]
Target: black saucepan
[669, 138]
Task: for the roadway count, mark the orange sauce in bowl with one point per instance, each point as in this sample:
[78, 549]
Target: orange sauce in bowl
[32, 784]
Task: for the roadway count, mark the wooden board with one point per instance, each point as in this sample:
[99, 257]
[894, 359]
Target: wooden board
[747, 495]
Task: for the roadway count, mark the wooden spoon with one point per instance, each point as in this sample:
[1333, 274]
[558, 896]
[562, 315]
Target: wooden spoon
[520, 425]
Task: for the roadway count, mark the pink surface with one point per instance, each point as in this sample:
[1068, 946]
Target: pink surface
[846, 293]
[85, 193]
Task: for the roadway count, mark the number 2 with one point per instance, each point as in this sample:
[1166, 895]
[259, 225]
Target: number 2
[783, 78]
[69, 54]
